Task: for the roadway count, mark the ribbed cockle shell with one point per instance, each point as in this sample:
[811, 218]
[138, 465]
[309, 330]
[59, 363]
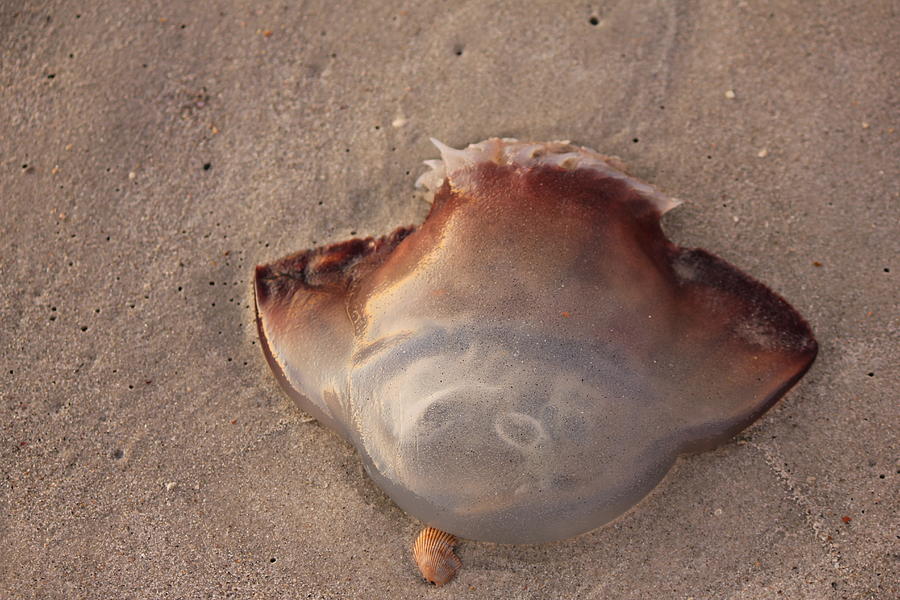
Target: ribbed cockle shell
[433, 551]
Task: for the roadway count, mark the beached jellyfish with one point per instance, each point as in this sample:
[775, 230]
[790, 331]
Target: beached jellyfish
[528, 363]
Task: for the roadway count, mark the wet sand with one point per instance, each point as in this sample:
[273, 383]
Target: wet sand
[153, 153]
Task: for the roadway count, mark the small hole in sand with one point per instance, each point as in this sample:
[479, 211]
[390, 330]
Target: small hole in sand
[594, 21]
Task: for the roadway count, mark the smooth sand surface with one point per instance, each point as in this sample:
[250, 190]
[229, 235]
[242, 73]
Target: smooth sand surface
[153, 153]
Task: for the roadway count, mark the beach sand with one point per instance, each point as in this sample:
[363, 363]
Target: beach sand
[154, 153]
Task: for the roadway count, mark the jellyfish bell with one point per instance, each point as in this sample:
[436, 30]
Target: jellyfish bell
[528, 363]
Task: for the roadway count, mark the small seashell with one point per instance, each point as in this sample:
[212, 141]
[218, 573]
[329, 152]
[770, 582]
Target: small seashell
[433, 551]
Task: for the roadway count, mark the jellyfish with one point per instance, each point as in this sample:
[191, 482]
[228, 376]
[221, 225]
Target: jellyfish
[529, 362]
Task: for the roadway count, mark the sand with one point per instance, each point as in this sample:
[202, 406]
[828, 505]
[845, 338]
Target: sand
[153, 153]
